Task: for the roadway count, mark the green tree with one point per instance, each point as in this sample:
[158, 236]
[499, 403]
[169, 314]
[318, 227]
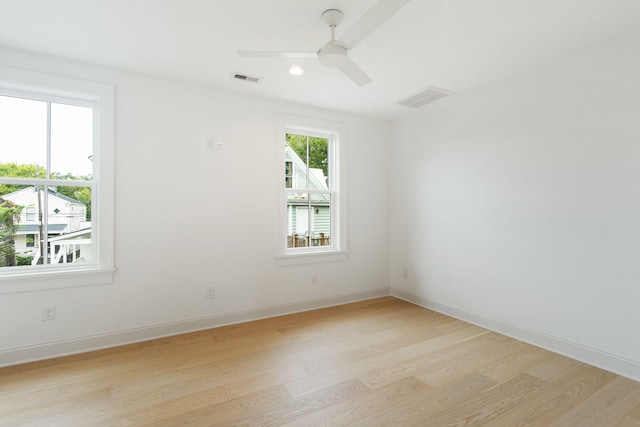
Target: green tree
[15, 170]
[318, 150]
[9, 219]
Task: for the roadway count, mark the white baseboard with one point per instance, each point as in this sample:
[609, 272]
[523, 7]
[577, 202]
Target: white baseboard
[601, 359]
[97, 342]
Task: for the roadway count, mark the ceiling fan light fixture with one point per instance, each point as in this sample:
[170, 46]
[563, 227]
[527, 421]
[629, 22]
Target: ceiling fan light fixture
[296, 70]
[333, 55]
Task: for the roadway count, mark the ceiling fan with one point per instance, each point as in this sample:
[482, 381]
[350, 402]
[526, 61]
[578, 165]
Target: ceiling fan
[335, 53]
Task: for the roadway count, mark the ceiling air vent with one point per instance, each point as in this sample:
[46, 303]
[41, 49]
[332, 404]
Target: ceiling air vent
[431, 94]
[246, 78]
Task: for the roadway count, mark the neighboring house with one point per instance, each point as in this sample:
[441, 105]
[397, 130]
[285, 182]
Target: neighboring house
[299, 222]
[64, 215]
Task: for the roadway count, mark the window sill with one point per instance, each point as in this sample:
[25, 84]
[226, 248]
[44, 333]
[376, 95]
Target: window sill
[299, 258]
[46, 280]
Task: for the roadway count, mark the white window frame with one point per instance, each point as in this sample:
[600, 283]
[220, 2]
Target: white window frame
[30, 213]
[101, 96]
[336, 134]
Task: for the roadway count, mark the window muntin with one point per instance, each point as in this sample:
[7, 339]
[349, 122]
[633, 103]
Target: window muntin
[45, 142]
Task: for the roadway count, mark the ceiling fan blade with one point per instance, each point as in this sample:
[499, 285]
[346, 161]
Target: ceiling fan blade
[275, 54]
[374, 17]
[355, 73]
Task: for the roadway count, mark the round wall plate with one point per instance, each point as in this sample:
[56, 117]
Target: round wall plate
[332, 16]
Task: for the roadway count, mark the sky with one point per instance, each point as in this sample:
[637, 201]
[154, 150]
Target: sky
[23, 135]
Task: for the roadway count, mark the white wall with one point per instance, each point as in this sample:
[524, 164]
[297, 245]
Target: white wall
[518, 205]
[188, 218]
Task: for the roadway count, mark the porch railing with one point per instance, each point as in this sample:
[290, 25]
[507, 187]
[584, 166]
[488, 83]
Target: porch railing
[302, 241]
[63, 252]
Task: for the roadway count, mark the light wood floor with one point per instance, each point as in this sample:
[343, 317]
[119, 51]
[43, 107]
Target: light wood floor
[372, 363]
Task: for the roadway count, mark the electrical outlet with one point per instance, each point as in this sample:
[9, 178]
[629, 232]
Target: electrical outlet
[314, 279]
[405, 273]
[211, 292]
[48, 313]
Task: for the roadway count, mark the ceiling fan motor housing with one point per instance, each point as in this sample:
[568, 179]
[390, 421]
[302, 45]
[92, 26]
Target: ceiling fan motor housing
[332, 55]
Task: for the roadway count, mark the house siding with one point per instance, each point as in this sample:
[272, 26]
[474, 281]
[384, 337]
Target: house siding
[321, 220]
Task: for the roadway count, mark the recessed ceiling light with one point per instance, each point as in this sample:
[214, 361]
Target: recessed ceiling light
[296, 71]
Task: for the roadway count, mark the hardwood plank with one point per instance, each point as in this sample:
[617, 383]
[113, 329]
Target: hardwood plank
[554, 368]
[512, 365]
[246, 385]
[635, 412]
[369, 364]
[422, 363]
[422, 406]
[340, 342]
[435, 320]
[544, 407]
[482, 408]
[605, 407]
[58, 412]
[365, 406]
[24, 402]
[229, 409]
[374, 321]
[470, 361]
[347, 356]
[158, 412]
[628, 422]
[145, 369]
[300, 406]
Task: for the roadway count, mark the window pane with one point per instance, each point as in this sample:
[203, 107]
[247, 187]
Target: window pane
[321, 219]
[66, 221]
[69, 224]
[297, 220]
[13, 242]
[319, 162]
[296, 153]
[314, 174]
[23, 137]
[78, 201]
[71, 142]
[288, 174]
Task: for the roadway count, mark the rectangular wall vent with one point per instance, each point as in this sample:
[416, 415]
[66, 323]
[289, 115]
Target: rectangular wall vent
[247, 78]
[427, 96]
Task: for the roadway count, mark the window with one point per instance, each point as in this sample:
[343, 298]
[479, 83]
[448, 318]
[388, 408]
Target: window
[30, 213]
[312, 208]
[56, 181]
[309, 196]
[288, 174]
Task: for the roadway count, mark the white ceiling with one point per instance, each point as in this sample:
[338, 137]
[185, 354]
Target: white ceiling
[452, 44]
